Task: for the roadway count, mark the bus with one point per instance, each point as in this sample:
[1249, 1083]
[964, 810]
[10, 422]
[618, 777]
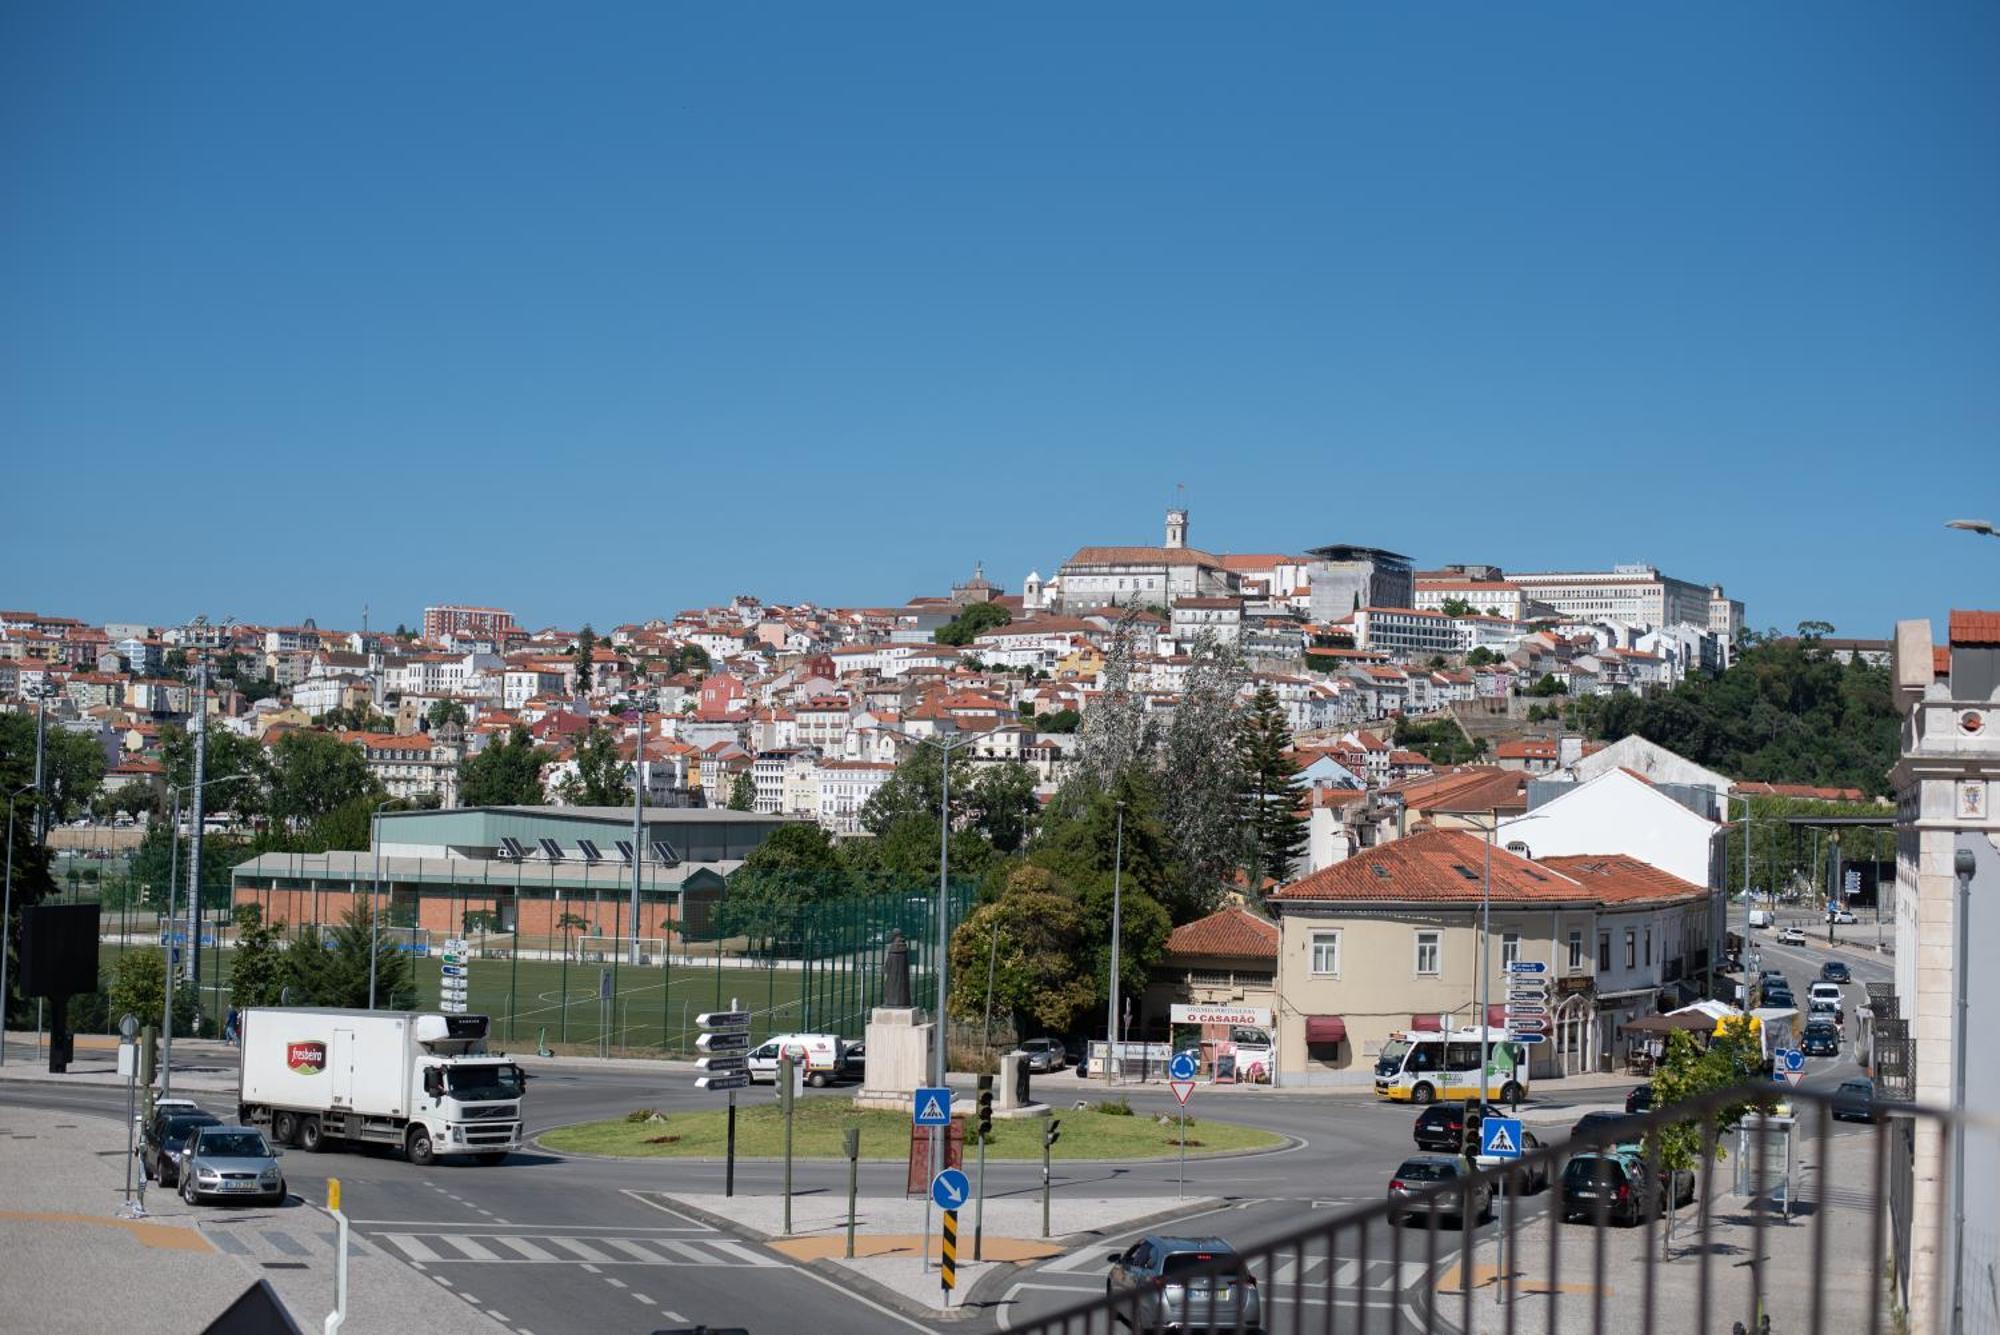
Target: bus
[1424, 1065]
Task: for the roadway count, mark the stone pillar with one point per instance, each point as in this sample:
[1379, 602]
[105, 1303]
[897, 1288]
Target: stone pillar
[899, 1057]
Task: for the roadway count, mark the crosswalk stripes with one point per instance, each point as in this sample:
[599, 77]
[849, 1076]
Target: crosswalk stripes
[479, 1248]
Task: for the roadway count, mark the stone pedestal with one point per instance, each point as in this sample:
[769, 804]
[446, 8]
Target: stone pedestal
[1009, 1087]
[899, 1057]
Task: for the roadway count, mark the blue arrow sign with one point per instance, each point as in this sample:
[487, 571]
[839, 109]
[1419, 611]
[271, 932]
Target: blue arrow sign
[950, 1189]
[1500, 1138]
[932, 1107]
[1527, 966]
[1529, 1039]
[1182, 1067]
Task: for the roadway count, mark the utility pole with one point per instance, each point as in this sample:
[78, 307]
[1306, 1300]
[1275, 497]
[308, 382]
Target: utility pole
[1117, 932]
[638, 826]
[42, 694]
[194, 835]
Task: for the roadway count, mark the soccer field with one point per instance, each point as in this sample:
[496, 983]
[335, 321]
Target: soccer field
[647, 1005]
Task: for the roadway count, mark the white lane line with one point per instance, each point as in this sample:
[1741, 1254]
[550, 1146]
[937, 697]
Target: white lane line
[643, 1298]
[501, 1317]
[498, 1220]
[674, 1317]
[851, 1296]
[527, 1249]
[410, 1247]
[614, 1283]
[442, 1280]
[686, 1249]
[590, 1270]
[468, 1297]
[741, 1253]
[632, 1249]
[473, 1251]
[579, 1248]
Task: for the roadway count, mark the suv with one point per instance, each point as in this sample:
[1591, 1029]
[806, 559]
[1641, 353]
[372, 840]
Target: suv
[1171, 1282]
[1791, 936]
[1045, 1054]
[1414, 1180]
[166, 1135]
[1639, 1099]
[1441, 1127]
[1618, 1180]
[1835, 971]
[1840, 915]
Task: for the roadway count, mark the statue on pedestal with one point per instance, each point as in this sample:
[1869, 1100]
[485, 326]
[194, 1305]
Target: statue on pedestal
[896, 974]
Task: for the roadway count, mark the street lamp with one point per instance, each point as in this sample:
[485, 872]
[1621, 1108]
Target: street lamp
[1979, 526]
[194, 921]
[1491, 829]
[1117, 934]
[1727, 798]
[7, 912]
[1964, 863]
[42, 694]
[375, 895]
[645, 701]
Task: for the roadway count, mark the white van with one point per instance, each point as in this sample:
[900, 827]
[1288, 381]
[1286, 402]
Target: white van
[1762, 918]
[826, 1057]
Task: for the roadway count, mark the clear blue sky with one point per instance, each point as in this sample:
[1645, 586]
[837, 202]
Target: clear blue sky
[598, 312]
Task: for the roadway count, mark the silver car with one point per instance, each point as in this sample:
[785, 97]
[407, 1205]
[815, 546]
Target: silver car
[1429, 1184]
[1045, 1054]
[1169, 1283]
[231, 1163]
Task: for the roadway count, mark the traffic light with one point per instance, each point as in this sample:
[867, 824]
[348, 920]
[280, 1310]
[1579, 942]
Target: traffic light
[1053, 1134]
[985, 1106]
[1472, 1121]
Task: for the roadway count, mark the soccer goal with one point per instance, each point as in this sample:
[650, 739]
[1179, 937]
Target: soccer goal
[409, 940]
[607, 949]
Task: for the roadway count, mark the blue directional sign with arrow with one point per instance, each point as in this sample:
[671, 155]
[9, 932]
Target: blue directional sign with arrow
[950, 1189]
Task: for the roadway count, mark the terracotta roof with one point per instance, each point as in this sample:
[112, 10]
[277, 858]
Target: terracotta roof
[1975, 628]
[1940, 661]
[1470, 788]
[1526, 748]
[1808, 790]
[1235, 932]
[1443, 865]
[1616, 878]
[1136, 556]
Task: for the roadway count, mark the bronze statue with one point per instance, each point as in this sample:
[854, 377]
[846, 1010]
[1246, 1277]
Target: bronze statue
[896, 974]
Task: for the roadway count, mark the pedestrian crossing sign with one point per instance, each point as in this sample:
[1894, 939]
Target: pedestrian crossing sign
[1500, 1138]
[932, 1106]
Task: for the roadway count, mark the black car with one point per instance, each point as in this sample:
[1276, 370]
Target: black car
[1592, 1123]
[1639, 1099]
[1820, 1040]
[1617, 1184]
[1441, 1127]
[167, 1133]
[1834, 971]
[1854, 1101]
[1779, 998]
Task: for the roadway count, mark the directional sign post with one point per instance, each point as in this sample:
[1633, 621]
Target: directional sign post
[1527, 966]
[452, 977]
[725, 1065]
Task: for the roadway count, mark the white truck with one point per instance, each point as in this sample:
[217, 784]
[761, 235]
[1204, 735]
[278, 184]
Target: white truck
[417, 1080]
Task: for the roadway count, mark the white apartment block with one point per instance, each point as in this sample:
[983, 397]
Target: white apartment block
[1405, 630]
[844, 788]
[1638, 594]
[1221, 618]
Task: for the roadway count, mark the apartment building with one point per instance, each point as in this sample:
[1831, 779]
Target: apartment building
[460, 621]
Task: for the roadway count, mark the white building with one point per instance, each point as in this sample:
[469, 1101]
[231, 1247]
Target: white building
[1638, 594]
[1617, 812]
[1101, 577]
[844, 788]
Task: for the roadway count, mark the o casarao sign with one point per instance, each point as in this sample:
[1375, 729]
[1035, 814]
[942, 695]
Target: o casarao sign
[1249, 1015]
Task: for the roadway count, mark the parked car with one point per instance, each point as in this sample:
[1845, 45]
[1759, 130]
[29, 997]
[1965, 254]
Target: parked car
[1184, 1283]
[1441, 1127]
[855, 1061]
[1854, 1101]
[1841, 916]
[1639, 1099]
[1835, 971]
[1417, 1176]
[1820, 1040]
[1534, 1178]
[1617, 1183]
[1791, 936]
[234, 1162]
[166, 1135]
[1045, 1054]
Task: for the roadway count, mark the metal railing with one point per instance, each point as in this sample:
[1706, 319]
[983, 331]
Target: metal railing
[1796, 1237]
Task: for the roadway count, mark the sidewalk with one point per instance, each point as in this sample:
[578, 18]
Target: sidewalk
[889, 1235]
[75, 1266]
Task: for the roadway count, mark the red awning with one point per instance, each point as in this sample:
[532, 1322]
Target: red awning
[1325, 1029]
[1426, 1022]
[1496, 1015]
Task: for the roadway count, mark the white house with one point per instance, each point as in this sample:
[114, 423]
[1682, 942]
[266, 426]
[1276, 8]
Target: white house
[1618, 812]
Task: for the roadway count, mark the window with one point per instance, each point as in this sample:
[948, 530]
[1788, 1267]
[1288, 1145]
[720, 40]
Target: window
[1631, 949]
[1604, 952]
[1510, 948]
[1575, 951]
[1649, 947]
[1427, 952]
[1326, 952]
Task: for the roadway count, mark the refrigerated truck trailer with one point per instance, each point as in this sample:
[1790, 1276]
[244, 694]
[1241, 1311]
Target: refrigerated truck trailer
[420, 1081]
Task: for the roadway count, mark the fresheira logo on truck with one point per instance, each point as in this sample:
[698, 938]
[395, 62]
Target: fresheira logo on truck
[307, 1058]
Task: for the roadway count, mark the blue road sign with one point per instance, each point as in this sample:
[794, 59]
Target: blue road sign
[932, 1107]
[1529, 1039]
[1500, 1138]
[1182, 1067]
[1527, 966]
[1795, 1060]
[950, 1189]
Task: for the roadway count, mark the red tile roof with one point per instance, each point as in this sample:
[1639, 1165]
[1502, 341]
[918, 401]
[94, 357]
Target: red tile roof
[1617, 879]
[1234, 932]
[1975, 628]
[1442, 865]
[1526, 748]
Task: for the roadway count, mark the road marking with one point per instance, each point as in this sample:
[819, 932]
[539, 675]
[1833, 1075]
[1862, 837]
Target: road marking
[852, 1296]
[633, 1249]
[501, 1317]
[473, 1251]
[579, 1248]
[545, 1228]
[442, 1280]
[614, 1283]
[672, 1316]
[645, 1198]
[741, 1253]
[590, 1270]
[526, 1249]
[410, 1247]
[643, 1298]
[468, 1297]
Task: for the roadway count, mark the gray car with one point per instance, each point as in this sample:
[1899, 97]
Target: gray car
[230, 1163]
[1169, 1283]
[1045, 1054]
[1415, 1179]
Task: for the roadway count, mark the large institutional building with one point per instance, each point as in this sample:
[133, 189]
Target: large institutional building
[1639, 594]
[1099, 577]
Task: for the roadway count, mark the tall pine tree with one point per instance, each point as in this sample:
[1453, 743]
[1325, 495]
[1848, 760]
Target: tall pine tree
[586, 650]
[1274, 833]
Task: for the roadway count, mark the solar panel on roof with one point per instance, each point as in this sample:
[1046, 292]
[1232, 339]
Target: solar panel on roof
[512, 848]
[551, 849]
[589, 851]
[664, 851]
[625, 851]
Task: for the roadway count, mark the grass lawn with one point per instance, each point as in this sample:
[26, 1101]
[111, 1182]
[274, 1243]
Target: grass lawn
[819, 1122]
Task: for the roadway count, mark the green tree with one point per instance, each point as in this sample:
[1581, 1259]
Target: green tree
[743, 793]
[1442, 741]
[257, 966]
[973, 622]
[1003, 806]
[1481, 656]
[600, 777]
[798, 865]
[1456, 607]
[508, 773]
[1274, 832]
[442, 712]
[568, 924]
[1196, 777]
[1034, 933]
[139, 987]
[329, 967]
[240, 760]
[689, 658]
[1547, 686]
[314, 774]
[1062, 720]
[1079, 844]
[1732, 1057]
[354, 718]
[72, 766]
[586, 649]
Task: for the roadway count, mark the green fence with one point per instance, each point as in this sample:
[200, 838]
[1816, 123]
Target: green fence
[816, 968]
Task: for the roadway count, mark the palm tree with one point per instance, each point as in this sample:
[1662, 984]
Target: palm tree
[569, 922]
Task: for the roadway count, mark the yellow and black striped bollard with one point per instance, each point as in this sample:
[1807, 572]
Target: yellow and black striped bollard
[949, 1268]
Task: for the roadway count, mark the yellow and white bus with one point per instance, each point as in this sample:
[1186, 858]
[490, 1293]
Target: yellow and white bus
[1424, 1065]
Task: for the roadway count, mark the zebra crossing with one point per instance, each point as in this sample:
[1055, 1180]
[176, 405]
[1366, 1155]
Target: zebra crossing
[489, 1247]
[1343, 1275]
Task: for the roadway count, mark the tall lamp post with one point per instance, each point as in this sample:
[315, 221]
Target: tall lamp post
[1492, 830]
[43, 694]
[645, 701]
[1117, 935]
[7, 913]
[1748, 849]
[194, 921]
[375, 894]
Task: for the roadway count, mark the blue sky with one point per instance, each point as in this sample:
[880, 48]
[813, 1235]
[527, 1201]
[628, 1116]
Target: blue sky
[600, 314]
